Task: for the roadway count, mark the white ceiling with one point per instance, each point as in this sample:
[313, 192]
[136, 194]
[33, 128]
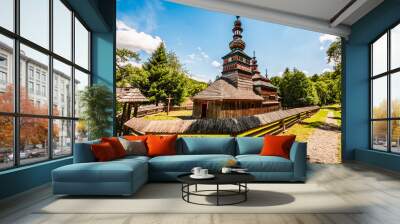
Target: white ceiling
[316, 15]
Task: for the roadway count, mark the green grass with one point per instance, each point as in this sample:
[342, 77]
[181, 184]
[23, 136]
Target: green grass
[173, 115]
[306, 128]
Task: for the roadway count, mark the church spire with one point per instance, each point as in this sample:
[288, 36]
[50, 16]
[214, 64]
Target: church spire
[254, 65]
[237, 43]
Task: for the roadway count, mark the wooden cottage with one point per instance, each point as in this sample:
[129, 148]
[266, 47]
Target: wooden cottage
[236, 93]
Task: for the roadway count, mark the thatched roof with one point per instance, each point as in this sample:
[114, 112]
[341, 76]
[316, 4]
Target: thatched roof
[223, 90]
[212, 126]
[130, 95]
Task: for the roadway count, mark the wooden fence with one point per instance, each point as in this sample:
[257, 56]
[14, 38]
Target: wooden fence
[152, 109]
[277, 126]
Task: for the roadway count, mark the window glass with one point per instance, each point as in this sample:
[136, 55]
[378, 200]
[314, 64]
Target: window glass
[7, 14]
[6, 74]
[379, 97]
[62, 89]
[62, 138]
[81, 82]
[395, 136]
[379, 135]
[81, 45]
[395, 47]
[62, 29]
[34, 21]
[395, 95]
[81, 131]
[38, 102]
[33, 140]
[6, 142]
[379, 56]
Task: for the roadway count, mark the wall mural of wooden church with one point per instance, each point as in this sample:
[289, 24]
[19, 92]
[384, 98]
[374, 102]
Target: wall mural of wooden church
[241, 90]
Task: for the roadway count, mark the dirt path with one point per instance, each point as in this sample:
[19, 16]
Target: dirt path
[323, 144]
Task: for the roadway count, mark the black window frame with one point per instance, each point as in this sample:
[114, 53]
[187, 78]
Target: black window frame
[388, 74]
[16, 115]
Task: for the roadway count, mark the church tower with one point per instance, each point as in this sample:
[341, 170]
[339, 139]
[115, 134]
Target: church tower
[237, 67]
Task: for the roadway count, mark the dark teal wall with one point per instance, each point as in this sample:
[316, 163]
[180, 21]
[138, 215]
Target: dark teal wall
[24, 178]
[356, 98]
[99, 16]
[103, 64]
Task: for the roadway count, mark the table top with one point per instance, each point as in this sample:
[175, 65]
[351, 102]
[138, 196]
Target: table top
[220, 178]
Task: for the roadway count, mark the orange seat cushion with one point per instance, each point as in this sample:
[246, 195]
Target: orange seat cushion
[275, 145]
[161, 145]
[103, 152]
[116, 145]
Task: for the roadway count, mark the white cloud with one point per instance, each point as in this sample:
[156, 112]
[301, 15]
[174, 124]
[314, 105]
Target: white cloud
[327, 38]
[128, 37]
[192, 56]
[305, 72]
[326, 70]
[321, 48]
[204, 55]
[216, 64]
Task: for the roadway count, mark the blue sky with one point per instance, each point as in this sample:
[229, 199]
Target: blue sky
[200, 38]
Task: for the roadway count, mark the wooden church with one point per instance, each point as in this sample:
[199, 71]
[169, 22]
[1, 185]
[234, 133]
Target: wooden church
[241, 90]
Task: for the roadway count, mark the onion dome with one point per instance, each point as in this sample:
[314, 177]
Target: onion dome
[237, 43]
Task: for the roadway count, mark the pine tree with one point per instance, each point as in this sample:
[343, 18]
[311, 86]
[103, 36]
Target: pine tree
[166, 77]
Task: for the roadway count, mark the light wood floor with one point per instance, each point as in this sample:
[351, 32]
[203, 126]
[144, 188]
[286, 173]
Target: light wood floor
[377, 188]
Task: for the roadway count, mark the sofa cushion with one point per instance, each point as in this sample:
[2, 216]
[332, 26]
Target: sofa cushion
[198, 146]
[116, 145]
[185, 163]
[112, 171]
[136, 147]
[277, 145]
[161, 145]
[83, 152]
[249, 145]
[103, 152]
[257, 163]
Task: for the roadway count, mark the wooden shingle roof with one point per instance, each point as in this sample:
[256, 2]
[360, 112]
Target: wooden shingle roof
[130, 95]
[223, 90]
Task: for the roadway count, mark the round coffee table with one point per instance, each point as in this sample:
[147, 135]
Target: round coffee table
[238, 179]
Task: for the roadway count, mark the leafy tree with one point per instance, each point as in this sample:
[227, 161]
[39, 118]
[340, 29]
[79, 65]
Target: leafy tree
[97, 102]
[194, 86]
[322, 91]
[34, 131]
[297, 90]
[334, 52]
[124, 70]
[276, 81]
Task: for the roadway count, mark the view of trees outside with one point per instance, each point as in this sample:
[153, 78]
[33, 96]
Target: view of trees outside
[160, 77]
[298, 90]
[163, 76]
[382, 136]
[33, 132]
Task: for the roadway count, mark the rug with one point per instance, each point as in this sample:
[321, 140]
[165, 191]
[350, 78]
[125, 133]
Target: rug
[166, 198]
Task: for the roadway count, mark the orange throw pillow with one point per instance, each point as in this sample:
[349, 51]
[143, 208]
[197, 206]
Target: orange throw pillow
[116, 145]
[277, 145]
[161, 145]
[103, 152]
[142, 138]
